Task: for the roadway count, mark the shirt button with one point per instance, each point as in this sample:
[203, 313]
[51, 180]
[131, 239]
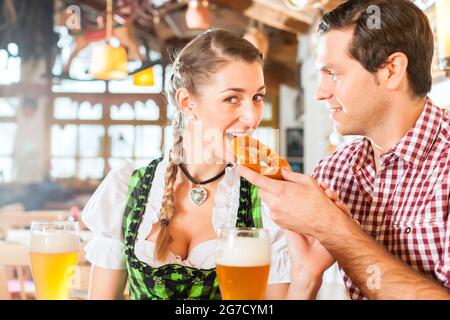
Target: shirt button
[408, 230]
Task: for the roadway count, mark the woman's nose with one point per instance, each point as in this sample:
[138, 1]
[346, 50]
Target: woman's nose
[250, 116]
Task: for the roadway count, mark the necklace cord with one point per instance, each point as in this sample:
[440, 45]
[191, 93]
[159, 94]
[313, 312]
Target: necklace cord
[188, 175]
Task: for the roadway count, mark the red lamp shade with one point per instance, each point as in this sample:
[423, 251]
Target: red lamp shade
[198, 15]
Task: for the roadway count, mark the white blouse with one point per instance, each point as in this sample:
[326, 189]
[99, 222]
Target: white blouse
[104, 212]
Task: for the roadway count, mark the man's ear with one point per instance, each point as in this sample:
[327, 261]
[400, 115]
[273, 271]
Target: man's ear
[185, 101]
[395, 70]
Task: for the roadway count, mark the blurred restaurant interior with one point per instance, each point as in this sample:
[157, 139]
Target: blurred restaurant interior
[65, 122]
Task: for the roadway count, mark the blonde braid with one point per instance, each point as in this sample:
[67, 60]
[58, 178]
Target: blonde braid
[168, 206]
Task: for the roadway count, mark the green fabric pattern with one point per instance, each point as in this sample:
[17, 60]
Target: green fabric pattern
[174, 281]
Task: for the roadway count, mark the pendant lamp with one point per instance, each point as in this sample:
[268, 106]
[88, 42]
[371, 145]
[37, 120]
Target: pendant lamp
[108, 62]
[144, 78]
[198, 15]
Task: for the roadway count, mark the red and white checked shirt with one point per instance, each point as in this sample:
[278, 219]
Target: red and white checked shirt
[405, 206]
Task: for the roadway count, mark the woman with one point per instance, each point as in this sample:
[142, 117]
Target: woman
[156, 226]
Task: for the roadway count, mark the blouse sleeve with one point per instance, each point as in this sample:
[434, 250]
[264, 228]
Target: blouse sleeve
[280, 264]
[103, 215]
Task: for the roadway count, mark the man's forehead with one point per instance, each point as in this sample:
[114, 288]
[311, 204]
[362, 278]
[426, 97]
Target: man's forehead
[333, 48]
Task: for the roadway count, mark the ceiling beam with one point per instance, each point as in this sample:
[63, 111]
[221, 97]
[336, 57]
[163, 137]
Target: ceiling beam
[102, 9]
[279, 6]
[266, 14]
[331, 5]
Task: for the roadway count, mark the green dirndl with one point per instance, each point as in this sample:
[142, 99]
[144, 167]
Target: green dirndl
[174, 281]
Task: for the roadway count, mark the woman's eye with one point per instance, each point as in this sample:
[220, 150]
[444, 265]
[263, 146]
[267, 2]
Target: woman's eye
[232, 100]
[258, 98]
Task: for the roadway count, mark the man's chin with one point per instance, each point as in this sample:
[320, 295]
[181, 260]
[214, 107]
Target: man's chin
[343, 130]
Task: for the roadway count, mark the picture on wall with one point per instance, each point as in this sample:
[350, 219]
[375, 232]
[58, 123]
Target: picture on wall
[294, 139]
[297, 166]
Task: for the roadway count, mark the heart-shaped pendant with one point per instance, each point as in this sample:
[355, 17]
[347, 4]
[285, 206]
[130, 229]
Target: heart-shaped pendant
[198, 195]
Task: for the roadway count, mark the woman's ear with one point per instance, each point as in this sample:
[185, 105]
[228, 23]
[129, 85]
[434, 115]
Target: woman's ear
[185, 102]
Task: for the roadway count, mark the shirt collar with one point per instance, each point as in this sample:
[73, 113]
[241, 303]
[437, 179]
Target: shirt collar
[414, 146]
[363, 154]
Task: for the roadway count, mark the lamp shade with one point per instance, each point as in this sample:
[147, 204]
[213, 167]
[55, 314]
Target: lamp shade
[108, 63]
[258, 38]
[443, 33]
[198, 15]
[298, 4]
[144, 78]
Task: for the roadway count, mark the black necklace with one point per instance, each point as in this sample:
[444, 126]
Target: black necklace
[199, 194]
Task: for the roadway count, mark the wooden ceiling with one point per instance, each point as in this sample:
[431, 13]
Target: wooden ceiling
[160, 24]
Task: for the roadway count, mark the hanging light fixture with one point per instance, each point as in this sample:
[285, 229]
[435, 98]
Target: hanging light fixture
[198, 15]
[258, 37]
[144, 76]
[299, 5]
[443, 34]
[108, 62]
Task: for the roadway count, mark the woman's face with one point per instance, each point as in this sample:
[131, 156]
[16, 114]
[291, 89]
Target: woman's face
[232, 102]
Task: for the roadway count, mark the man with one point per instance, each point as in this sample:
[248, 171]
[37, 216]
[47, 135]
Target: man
[394, 181]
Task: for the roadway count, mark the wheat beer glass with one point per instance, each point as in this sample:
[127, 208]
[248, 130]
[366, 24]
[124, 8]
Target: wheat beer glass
[242, 263]
[54, 248]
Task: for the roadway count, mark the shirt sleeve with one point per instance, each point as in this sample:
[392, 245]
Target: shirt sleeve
[280, 263]
[442, 268]
[103, 215]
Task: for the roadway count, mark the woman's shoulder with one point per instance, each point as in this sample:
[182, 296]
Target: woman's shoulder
[125, 169]
[114, 188]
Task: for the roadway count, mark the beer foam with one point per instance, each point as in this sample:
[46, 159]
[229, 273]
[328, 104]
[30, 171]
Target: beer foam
[243, 252]
[54, 242]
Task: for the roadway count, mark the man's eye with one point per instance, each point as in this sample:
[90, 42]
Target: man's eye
[332, 75]
[258, 98]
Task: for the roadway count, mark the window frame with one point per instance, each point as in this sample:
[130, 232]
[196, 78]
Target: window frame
[106, 99]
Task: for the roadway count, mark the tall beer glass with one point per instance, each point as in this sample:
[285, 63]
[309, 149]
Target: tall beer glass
[54, 248]
[242, 263]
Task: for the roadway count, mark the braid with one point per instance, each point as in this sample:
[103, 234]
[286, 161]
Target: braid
[168, 206]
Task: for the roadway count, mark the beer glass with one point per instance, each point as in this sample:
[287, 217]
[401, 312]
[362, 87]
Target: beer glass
[54, 248]
[242, 263]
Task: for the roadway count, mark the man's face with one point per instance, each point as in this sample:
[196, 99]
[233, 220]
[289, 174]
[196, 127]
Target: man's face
[356, 102]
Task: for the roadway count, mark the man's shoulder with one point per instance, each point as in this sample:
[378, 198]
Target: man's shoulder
[445, 128]
[339, 160]
[441, 144]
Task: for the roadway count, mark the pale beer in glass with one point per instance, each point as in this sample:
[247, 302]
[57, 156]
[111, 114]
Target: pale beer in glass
[243, 263]
[54, 248]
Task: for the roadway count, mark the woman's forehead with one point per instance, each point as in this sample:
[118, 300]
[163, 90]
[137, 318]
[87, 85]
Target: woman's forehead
[238, 74]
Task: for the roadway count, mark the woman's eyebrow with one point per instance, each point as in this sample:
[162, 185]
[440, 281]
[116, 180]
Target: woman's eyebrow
[240, 89]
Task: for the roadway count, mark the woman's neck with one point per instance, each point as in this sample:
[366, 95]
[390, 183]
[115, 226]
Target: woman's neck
[199, 160]
[202, 172]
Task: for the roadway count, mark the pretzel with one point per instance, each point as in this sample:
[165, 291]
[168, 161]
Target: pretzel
[255, 155]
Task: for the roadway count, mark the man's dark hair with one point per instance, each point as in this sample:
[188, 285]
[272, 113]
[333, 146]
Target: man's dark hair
[403, 28]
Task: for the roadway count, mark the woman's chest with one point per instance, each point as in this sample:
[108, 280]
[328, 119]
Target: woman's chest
[190, 225]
